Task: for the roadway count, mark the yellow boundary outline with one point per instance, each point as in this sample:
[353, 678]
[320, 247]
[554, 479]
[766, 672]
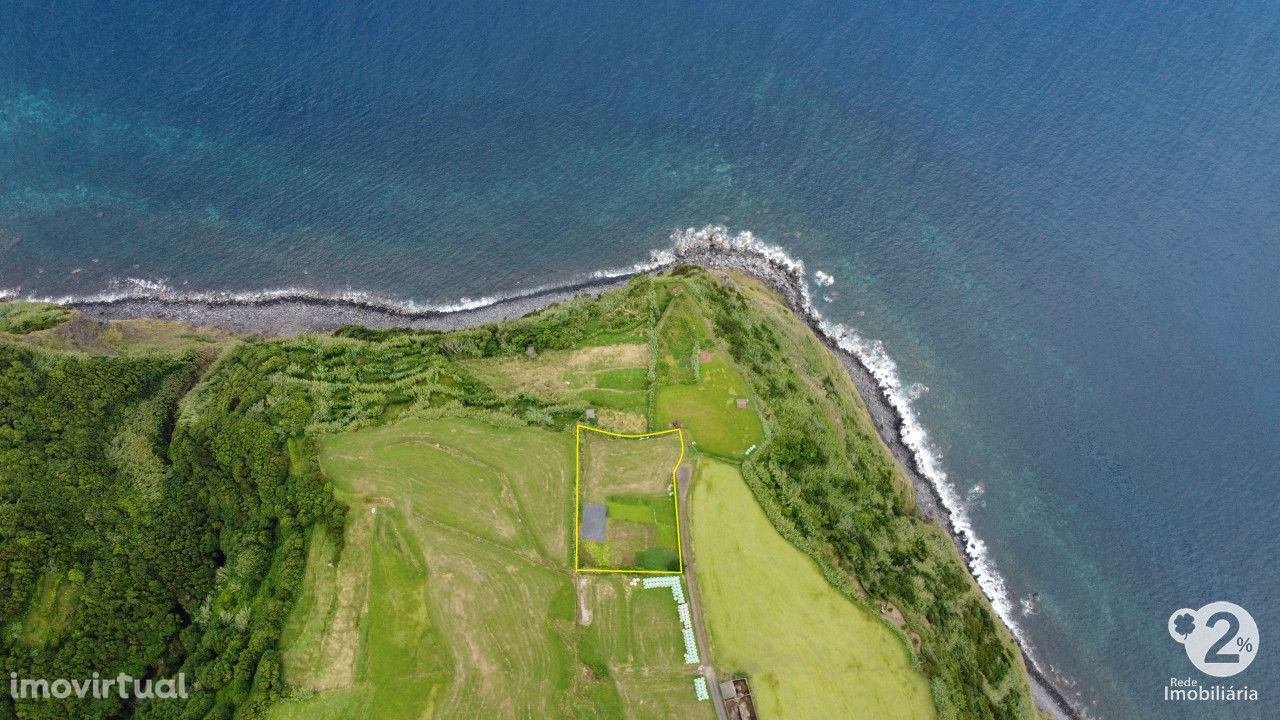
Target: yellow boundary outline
[577, 499]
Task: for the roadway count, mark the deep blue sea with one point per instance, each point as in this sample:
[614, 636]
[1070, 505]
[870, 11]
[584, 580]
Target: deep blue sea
[1062, 220]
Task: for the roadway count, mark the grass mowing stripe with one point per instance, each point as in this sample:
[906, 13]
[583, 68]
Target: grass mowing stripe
[809, 651]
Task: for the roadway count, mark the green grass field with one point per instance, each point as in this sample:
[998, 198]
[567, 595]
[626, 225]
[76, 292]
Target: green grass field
[632, 477]
[708, 410]
[50, 610]
[454, 594]
[637, 632]
[697, 386]
[809, 651]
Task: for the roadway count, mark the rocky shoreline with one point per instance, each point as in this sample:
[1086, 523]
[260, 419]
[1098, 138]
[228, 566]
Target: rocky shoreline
[710, 248]
[788, 281]
[289, 315]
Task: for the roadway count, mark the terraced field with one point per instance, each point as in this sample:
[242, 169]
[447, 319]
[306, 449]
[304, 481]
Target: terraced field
[454, 597]
[613, 379]
[809, 652]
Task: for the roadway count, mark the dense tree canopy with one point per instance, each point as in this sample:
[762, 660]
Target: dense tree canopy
[112, 533]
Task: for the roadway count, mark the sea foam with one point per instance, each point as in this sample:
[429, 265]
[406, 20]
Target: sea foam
[899, 393]
[127, 289]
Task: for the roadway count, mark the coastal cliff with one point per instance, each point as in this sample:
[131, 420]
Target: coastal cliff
[725, 257]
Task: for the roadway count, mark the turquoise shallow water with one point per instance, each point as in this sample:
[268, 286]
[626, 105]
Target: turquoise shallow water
[1061, 222]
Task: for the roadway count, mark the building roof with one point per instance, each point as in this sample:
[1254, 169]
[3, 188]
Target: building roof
[593, 517]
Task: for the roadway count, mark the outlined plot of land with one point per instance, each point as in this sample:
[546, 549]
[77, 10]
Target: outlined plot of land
[626, 509]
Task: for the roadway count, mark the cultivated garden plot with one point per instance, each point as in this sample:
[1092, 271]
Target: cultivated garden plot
[626, 507]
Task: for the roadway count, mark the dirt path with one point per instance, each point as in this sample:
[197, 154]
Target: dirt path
[685, 480]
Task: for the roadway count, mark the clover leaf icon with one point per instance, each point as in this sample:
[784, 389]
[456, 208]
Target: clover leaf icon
[1184, 625]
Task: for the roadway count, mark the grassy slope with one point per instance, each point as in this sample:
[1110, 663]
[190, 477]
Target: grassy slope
[699, 395]
[22, 316]
[809, 652]
[708, 409]
[47, 616]
[605, 376]
[55, 328]
[681, 332]
[444, 528]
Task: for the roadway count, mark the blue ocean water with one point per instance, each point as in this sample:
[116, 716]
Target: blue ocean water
[1063, 221]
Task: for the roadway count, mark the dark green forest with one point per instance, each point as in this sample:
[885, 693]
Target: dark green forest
[130, 543]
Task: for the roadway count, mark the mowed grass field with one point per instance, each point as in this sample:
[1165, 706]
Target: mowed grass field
[632, 477]
[637, 633]
[708, 410]
[809, 651]
[453, 595]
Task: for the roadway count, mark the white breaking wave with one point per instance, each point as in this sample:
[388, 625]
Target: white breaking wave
[822, 279]
[121, 290]
[1029, 604]
[658, 259]
[900, 394]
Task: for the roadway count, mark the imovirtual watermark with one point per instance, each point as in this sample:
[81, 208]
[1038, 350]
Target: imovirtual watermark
[123, 686]
[1221, 640]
